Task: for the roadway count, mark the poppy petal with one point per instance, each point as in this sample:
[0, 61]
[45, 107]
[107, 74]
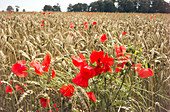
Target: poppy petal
[145, 72]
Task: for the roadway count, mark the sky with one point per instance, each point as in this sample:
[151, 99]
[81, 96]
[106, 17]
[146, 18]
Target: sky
[37, 5]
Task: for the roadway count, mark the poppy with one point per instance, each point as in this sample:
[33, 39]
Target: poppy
[19, 68]
[46, 63]
[119, 67]
[138, 67]
[91, 96]
[145, 72]
[95, 8]
[20, 90]
[43, 13]
[8, 89]
[96, 56]
[103, 38]
[67, 90]
[71, 25]
[85, 23]
[44, 102]
[97, 70]
[107, 62]
[120, 50]
[78, 62]
[85, 26]
[49, 13]
[124, 33]
[55, 105]
[0, 82]
[94, 23]
[10, 11]
[53, 74]
[81, 79]
[42, 24]
[37, 67]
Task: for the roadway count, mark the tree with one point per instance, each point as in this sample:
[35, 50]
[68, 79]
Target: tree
[23, 10]
[144, 6]
[109, 6]
[10, 8]
[17, 8]
[126, 6]
[47, 8]
[80, 7]
[70, 8]
[56, 7]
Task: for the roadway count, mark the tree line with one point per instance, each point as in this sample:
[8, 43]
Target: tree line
[143, 6]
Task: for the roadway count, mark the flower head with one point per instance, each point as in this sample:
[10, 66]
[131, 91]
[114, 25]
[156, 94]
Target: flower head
[91, 96]
[44, 102]
[67, 90]
[8, 89]
[20, 90]
[46, 63]
[145, 72]
[37, 67]
[19, 68]
[103, 38]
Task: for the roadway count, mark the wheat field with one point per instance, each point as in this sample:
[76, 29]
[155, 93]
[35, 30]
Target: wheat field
[23, 37]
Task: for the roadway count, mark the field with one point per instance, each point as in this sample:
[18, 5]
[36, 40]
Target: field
[63, 36]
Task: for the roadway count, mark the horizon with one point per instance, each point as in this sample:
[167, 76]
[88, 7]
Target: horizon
[33, 5]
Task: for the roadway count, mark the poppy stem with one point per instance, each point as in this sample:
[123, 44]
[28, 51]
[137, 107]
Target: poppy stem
[118, 90]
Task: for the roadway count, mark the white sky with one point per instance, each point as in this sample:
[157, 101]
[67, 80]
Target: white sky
[37, 5]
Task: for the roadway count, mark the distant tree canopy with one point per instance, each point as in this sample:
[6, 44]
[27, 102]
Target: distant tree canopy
[143, 6]
[52, 8]
[9, 8]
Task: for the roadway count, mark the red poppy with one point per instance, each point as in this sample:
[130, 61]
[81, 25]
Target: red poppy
[95, 8]
[103, 38]
[119, 68]
[8, 89]
[49, 13]
[43, 13]
[22, 16]
[19, 68]
[138, 67]
[72, 35]
[42, 24]
[67, 90]
[44, 102]
[94, 23]
[78, 62]
[37, 67]
[120, 50]
[91, 96]
[107, 62]
[96, 56]
[124, 33]
[10, 11]
[85, 26]
[98, 70]
[85, 23]
[0, 82]
[53, 74]
[20, 90]
[86, 72]
[43, 21]
[46, 63]
[55, 105]
[145, 72]
[71, 25]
